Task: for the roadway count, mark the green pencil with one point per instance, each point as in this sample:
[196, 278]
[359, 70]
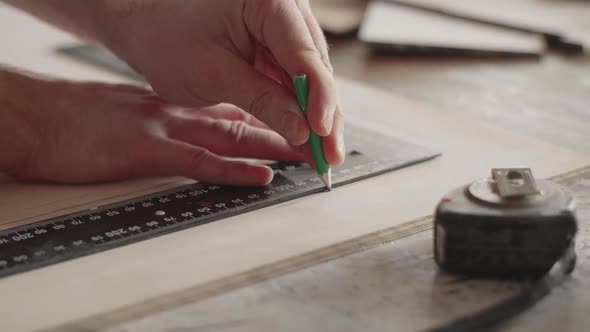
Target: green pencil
[323, 168]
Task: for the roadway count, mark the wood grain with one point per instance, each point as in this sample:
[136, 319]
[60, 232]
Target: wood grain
[201, 255]
[394, 286]
[23, 204]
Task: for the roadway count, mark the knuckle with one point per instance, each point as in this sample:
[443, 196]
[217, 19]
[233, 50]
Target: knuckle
[260, 102]
[237, 131]
[217, 127]
[240, 115]
[306, 51]
[234, 132]
[198, 157]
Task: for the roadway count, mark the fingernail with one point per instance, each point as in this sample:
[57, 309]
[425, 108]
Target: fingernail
[341, 147]
[328, 120]
[266, 176]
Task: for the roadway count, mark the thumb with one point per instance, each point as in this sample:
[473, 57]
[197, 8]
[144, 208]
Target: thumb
[281, 27]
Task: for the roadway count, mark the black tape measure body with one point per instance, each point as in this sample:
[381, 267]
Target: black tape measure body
[479, 235]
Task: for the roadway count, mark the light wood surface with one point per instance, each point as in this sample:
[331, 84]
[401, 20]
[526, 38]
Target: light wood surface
[397, 286]
[26, 203]
[124, 276]
[392, 287]
[127, 275]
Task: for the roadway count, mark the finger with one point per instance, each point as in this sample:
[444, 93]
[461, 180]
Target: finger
[334, 148]
[168, 157]
[233, 139]
[316, 32]
[281, 27]
[240, 84]
[229, 112]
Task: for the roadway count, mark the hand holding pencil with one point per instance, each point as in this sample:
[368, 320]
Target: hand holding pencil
[315, 141]
[209, 63]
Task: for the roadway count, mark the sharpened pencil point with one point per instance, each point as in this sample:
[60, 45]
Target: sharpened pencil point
[327, 179]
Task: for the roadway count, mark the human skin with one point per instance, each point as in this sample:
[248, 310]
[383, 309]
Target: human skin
[199, 57]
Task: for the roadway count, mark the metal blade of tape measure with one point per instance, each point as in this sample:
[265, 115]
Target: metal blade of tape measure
[56, 240]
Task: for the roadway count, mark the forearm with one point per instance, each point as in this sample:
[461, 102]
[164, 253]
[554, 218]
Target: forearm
[18, 133]
[85, 18]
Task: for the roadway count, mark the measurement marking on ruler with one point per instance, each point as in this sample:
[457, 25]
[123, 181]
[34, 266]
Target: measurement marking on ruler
[115, 225]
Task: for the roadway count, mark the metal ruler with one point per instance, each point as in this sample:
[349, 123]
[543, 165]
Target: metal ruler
[56, 240]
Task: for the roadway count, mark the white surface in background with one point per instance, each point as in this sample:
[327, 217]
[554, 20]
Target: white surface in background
[559, 16]
[28, 43]
[393, 24]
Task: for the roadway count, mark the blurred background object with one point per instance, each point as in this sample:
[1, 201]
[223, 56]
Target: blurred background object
[558, 21]
[339, 17]
[461, 27]
[404, 29]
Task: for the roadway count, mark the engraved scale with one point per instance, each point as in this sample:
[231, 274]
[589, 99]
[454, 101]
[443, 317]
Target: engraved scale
[88, 232]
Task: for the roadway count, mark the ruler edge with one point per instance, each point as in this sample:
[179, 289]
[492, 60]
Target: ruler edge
[427, 155]
[265, 272]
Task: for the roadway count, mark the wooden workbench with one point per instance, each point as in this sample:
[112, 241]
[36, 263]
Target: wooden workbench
[393, 287]
[396, 286]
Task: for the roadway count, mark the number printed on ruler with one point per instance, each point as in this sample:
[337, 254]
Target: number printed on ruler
[56, 240]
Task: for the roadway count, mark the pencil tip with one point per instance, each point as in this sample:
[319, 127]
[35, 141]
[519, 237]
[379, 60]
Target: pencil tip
[327, 179]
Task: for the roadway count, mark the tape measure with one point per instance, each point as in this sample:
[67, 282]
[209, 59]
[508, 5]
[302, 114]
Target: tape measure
[506, 226]
[56, 240]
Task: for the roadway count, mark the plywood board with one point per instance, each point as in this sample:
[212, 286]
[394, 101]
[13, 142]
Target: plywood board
[23, 204]
[395, 27]
[138, 272]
